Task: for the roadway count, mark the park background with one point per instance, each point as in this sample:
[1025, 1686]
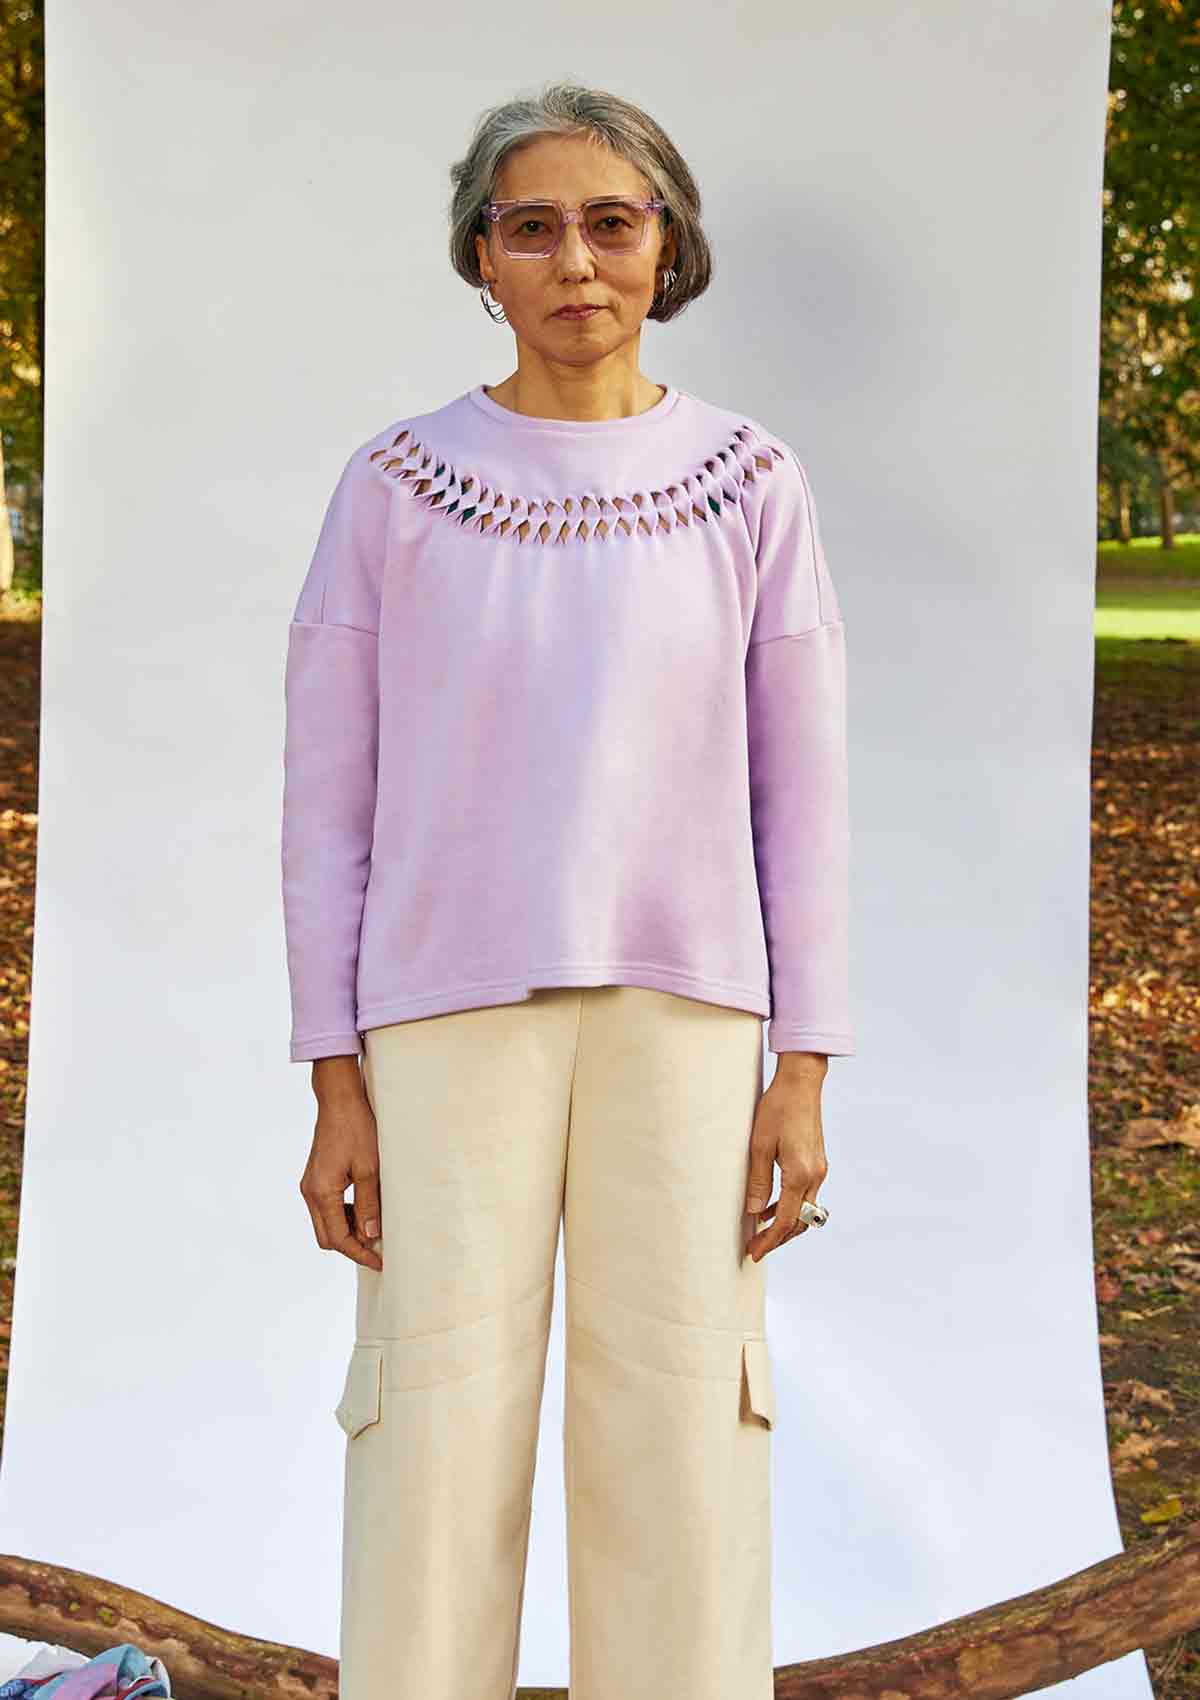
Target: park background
[1144, 985]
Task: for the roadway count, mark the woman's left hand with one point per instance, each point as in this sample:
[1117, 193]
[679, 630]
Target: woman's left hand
[787, 1130]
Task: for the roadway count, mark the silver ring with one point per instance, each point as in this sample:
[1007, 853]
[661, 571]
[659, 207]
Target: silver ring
[815, 1215]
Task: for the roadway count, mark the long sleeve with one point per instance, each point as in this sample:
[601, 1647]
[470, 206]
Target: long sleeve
[331, 693]
[796, 722]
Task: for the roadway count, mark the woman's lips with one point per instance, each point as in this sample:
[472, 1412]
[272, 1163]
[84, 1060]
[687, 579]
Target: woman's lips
[576, 312]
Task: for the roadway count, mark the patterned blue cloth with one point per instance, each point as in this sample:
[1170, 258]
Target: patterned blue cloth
[119, 1673]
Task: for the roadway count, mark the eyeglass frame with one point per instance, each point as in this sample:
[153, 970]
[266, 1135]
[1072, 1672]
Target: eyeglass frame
[570, 215]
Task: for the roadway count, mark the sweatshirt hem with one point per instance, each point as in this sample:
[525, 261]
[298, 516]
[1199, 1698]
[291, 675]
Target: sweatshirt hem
[483, 993]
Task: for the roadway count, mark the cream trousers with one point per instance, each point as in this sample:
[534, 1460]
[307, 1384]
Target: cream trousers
[625, 1114]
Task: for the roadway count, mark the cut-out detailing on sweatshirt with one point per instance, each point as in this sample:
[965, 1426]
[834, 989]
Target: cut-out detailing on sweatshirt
[709, 489]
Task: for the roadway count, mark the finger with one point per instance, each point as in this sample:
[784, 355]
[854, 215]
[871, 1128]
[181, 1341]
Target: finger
[809, 1195]
[328, 1211]
[316, 1217]
[760, 1175]
[786, 1211]
[366, 1205]
[352, 1247]
[757, 1218]
[752, 1222]
[333, 1229]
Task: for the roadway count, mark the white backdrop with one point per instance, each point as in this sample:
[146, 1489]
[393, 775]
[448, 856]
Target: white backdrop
[247, 277]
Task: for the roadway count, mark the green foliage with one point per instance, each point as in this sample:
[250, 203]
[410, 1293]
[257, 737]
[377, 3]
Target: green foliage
[22, 226]
[1149, 382]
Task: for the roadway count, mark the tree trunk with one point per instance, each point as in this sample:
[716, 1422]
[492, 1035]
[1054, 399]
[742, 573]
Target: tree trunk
[6, 540]
[1134, 1599]
[1124, 512]
[1166, 509]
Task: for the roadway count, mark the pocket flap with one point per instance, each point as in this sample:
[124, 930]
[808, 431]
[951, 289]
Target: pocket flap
[760, 1386]
[359, 1406]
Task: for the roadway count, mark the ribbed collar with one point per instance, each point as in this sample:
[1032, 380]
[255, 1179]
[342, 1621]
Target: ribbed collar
[584, 427]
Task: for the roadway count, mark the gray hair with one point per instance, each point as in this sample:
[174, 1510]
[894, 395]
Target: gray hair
[570, 109]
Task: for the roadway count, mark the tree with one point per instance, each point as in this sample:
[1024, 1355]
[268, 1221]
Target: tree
[22, 244]
[1149, 380]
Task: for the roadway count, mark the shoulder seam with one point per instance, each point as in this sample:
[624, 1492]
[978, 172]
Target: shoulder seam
[821, 626]
[334, 625]
[812, 535]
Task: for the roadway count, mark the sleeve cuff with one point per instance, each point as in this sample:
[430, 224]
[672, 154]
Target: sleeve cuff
[326, 1045]
[781, 1037]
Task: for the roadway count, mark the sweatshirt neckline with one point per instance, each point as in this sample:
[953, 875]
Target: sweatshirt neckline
[574, 427]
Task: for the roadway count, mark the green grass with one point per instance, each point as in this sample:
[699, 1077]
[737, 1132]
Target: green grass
[1159, 670]
[1150, 614]
[1146, 556]
[1139, 593]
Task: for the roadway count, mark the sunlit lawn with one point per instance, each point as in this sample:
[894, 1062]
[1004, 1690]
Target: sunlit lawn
[1132, 599]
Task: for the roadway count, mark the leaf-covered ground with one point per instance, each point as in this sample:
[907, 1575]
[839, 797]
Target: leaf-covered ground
[1144, 1090]
[1144, 1068]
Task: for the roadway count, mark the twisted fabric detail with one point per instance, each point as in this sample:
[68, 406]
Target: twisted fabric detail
[707, 491]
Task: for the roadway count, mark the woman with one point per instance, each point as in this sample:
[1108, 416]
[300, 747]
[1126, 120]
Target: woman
[565, 817]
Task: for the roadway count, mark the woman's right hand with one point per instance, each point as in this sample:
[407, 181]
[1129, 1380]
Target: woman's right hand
[345, 1152]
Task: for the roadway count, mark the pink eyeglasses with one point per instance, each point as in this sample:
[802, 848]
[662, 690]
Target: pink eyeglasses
[531, 230]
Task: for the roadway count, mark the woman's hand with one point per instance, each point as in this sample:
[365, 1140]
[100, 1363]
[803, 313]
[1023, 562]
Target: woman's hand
[787, 1130]
[345, 1151]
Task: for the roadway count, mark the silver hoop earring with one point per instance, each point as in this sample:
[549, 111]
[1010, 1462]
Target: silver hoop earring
[500, 318]
[668, 281]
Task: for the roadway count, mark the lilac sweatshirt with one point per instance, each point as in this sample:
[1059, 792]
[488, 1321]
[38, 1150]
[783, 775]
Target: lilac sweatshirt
[566, 706]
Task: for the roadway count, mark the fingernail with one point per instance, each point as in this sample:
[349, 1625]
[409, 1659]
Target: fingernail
[371, 1230]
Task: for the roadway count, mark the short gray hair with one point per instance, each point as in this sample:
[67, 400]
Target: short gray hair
[567, 109]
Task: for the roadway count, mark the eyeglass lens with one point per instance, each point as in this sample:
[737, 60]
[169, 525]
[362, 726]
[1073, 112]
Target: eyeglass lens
[614, 227]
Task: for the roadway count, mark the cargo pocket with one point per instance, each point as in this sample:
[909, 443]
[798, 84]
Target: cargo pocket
[359, 1406]
[757, 1378]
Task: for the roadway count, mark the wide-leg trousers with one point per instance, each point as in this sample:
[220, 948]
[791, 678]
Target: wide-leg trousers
[623, 1114]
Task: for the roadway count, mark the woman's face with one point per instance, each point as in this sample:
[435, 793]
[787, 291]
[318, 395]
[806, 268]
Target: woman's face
[573, 169]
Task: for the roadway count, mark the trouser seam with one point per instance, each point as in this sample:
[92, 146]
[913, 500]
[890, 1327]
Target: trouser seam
[454, 1327]
[655, 1369]
[669, 1321]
